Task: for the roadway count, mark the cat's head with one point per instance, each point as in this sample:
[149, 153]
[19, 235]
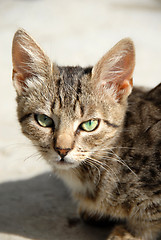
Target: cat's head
[71, 114]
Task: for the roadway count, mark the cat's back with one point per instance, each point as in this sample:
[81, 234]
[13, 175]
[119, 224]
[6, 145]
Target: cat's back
[155, 96]
[144, 109]
[141, 138]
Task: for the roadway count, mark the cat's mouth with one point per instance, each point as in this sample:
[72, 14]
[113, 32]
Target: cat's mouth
[65, 163]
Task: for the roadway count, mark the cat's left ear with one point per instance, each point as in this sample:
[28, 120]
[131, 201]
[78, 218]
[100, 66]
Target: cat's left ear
[29, 61]
[113, 73]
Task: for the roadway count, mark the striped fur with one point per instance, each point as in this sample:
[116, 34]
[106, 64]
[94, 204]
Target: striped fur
[113, 171]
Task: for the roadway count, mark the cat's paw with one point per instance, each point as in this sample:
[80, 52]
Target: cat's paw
[120, 233]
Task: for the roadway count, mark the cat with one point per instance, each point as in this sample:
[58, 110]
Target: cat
[99, 134]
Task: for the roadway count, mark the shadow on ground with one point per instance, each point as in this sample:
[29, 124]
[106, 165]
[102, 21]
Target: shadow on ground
[40, 208]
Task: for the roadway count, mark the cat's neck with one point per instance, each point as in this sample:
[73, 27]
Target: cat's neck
[77, 183]
[87, 179]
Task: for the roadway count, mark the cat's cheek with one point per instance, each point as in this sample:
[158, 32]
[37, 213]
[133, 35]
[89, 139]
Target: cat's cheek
[76, 158]
[91, 141]
[55, 161]
[43, 136]
[51, 158]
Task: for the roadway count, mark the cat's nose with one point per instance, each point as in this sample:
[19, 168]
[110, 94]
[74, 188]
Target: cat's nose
[62, 152]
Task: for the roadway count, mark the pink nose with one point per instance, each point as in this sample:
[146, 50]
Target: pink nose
[62, 152]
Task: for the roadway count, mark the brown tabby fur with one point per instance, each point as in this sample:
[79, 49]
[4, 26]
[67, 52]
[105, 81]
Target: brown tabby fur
[115, 170]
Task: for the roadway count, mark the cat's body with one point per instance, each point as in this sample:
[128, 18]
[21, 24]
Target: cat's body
[105, 145]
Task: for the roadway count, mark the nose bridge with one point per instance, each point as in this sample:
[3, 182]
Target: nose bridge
[64, 141]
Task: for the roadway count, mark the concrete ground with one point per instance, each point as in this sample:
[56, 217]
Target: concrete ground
[33, 203]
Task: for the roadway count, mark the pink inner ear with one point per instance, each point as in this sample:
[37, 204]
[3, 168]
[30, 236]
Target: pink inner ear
[22, 60]
[19, 83]
[124, 88]
[20, 78]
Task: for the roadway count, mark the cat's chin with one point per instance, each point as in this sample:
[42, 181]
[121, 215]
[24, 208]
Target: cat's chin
[64, 164]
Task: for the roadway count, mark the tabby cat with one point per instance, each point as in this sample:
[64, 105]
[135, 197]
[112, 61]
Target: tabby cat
[100, 136]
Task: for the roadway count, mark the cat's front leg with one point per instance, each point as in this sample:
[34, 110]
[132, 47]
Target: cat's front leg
[94, 219]
[120, 233]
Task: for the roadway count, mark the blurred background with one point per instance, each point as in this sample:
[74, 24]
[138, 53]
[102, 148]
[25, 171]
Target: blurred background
[72, 32]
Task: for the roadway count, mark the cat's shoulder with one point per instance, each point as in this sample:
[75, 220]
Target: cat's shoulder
[154, 95]
[144, 105]
[148, 95]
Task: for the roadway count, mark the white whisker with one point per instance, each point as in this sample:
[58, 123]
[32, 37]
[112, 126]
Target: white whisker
[118, 159]
[33, 155]
[93, 164]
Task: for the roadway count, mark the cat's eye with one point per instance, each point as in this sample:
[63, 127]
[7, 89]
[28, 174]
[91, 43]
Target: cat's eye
[44, 121]
[90, 125]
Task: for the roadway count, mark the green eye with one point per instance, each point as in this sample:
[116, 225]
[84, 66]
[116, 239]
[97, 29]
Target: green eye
[44, 120]
[90, 125]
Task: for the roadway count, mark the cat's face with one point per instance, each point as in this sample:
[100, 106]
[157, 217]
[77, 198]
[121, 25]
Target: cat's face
[71, 114]
[66, 124]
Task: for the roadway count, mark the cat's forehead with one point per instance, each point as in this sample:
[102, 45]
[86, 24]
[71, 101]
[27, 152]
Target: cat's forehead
[74, 76]
[71, 90]
[74, 96]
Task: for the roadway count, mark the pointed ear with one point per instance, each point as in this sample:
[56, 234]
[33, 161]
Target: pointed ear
[29, 61]
[115, 69]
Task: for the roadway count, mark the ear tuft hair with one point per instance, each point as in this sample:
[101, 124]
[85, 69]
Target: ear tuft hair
[115, 69]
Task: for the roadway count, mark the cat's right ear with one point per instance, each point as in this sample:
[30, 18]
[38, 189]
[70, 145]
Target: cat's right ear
[29, 61]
